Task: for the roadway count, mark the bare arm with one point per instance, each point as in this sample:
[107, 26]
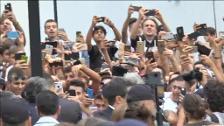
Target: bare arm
[112, 26]
[124, 35]
[160, 18]
[90, 33]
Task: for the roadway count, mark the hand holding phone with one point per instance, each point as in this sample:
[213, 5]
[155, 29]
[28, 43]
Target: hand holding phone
[161, 46]
[136, 8]
[151, 12]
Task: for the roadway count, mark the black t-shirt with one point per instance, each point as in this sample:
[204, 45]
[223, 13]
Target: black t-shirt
[148, 44]
[95, 58]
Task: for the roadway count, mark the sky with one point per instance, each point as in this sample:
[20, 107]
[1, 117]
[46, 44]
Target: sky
[77, 15]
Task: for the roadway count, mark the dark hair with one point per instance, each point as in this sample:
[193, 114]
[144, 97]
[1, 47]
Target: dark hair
[194, 106]
[211, 31]
[48, 21]
[136, 110]
[116, 87]
[99, 27]
[3, 48]
[47, 102]
[178, 78]
[34, 86]
[131, 21]
[214, 92]
[15, 74]
[77, 83]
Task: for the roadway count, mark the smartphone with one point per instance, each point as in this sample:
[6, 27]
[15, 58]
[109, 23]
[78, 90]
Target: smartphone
[58, 86]
[203, 50]
[151, 12]
[168, 36]
[54, 44]
[90, 92]
[101, 19]
[161, 46]
[56, 64]
[221, 34]
[71, 92]
[127, 48]
[61, 29]
[140, 47]
[180, 33]
[136, 8]
[111, 43]
[72, 56]
[150, 55]
[13, 35]
[8, 7]
[20, 56]
[183, 91]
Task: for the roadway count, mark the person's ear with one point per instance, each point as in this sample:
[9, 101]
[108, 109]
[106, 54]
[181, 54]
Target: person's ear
[119, 100]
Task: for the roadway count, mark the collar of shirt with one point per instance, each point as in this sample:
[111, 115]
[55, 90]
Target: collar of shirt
[46, 120]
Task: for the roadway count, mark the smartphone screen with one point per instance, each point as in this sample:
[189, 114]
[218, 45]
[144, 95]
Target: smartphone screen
[20, 56]
[71, 92]
[150, 56]
[180, 33]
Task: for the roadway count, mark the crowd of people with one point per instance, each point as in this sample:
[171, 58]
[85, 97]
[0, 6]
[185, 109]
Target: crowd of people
[145, 76]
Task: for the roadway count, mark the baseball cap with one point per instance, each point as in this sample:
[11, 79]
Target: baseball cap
[139, 93]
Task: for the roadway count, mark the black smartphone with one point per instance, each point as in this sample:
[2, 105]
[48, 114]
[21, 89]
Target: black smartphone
[54, 44]
[136, 8]
[19, 56]
[8, 7]
[180, 33]
[72, 92]
[151, 12]
[203, 50]
[72, 56]
[150, 55]
[56, 64]
[183, 91]
[101, 19]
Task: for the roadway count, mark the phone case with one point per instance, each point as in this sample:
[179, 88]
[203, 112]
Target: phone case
[140, 47]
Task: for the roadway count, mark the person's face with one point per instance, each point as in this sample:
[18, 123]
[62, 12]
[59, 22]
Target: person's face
[78, 90]
[98, 35]
[5, 26]
[6, 56]
[100, 104]
[149, 28]
[176, 88]
[17, 86]
[51, 29]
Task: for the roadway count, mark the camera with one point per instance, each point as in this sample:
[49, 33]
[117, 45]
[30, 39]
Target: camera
[192, 75]
[151, 12]
[71, 92]
[8, 7]
[201, 30]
